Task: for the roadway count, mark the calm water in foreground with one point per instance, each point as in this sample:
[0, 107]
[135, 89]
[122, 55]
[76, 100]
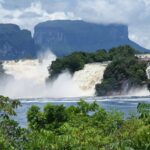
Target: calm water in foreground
[127, 105]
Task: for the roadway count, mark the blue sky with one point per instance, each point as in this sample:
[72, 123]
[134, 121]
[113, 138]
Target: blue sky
[134, 13]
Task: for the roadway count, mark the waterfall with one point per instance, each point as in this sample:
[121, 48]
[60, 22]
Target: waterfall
[143, 90]
[33, 70]
[29, 79]
[90, 76]
[148, 71]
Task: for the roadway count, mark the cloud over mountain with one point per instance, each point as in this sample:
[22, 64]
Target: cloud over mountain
[135, 14]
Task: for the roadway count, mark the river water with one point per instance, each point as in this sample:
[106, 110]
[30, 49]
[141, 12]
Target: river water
[127, 105]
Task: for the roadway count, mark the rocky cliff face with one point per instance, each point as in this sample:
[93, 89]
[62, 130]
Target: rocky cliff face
[16, 43]
[64, 36]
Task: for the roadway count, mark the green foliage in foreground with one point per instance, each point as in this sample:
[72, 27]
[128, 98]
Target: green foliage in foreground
[85, 126]
[123, 73]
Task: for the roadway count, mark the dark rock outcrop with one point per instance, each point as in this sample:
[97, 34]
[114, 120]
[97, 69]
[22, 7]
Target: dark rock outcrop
[65, 36]
[16, 43]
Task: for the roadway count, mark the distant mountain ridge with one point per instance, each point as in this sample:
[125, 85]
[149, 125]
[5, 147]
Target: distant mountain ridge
[62, 37]
[65, 36]
[16, 43]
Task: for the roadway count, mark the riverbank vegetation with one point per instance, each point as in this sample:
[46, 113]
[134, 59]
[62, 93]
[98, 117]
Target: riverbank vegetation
[83, 126]
[75, 62]
[124, 72]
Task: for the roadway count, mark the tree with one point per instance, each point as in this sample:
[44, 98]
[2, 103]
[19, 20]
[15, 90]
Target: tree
[82, 126]
[75, 62]
[121, 51]
[51, 117]
[7, 106]
[144, 111]
[11, 135]
[123, 73]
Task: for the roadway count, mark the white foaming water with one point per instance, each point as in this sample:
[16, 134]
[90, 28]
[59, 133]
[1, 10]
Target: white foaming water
[34, 70]
[29, 79]
[90, 76]
[30, 75]
[148, 72]
[142, 91]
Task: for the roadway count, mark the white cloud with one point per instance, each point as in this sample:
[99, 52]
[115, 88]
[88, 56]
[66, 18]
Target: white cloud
[135, 14]
[35, 11]
[110, 11]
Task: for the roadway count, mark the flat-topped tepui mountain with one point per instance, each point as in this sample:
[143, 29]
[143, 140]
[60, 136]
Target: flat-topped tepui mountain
[66, 36]
[62, 37]
[16, 43]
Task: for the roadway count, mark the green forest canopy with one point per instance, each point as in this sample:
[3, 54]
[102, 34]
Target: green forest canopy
[84, 126]
[125, 71]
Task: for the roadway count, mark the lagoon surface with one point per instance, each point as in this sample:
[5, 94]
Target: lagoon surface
[127, 105]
